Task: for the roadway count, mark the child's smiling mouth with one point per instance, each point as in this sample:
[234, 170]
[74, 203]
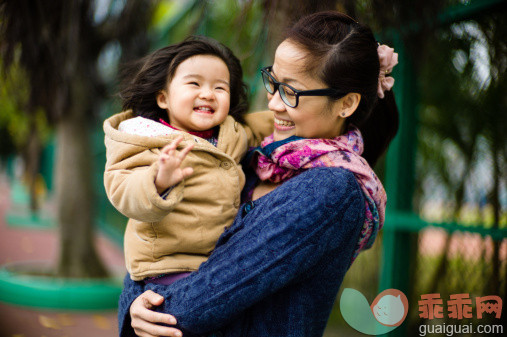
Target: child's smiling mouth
[205, 109]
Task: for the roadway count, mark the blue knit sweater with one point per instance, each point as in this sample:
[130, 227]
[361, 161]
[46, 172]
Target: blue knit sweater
[276, 270]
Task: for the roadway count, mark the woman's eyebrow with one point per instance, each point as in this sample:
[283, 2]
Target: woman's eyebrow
[287, 80]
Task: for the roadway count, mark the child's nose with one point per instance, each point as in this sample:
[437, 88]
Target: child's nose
[207, 93]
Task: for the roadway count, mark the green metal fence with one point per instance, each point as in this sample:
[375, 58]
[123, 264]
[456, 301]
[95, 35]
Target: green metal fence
[406, 264]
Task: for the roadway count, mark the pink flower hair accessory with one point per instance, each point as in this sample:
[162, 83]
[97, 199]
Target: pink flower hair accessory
[388, 59]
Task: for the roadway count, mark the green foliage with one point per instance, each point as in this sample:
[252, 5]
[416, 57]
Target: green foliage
[462, 111]
[462, 154]
[14, 117]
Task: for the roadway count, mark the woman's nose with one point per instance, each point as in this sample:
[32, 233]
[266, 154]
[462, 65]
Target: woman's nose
[275, 102]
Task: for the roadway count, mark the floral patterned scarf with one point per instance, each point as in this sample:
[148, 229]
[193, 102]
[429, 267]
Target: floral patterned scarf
[282, 160]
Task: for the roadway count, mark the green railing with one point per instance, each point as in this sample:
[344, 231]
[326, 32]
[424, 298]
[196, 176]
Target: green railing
[402, 224]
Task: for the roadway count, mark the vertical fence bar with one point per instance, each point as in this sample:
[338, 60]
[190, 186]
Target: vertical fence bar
[400, 176]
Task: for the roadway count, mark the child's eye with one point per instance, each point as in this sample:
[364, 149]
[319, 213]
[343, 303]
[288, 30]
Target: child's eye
[194, 83]
[221, 88]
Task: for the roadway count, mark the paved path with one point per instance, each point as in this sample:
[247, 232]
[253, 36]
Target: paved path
[41, 244]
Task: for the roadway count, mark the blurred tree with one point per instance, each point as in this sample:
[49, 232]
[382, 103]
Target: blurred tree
[450, 129]
[58, 44]
[462, 145]
[20, 133]
[460, 73]
[493, 105]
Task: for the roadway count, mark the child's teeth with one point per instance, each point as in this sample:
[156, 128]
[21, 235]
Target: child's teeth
[203, 108]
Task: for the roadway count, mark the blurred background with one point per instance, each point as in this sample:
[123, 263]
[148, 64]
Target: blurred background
[445, 173]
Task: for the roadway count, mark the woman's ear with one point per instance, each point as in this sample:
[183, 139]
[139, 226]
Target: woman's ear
[348, 104]
[162, 100]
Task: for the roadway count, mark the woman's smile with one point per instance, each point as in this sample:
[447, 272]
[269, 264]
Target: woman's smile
[284, 125]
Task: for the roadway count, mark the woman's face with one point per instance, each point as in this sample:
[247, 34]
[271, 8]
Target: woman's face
[315, 116]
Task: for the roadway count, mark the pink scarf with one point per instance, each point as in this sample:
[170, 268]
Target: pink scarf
[294, 157]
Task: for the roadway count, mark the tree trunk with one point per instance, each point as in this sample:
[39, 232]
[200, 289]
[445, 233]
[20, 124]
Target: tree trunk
[32, 164]
[58, 44]
[74, 191]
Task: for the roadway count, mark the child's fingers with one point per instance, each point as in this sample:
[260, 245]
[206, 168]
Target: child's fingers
[173, 145]
[177, 141]
[187, 172]
[167, 152]
[164, 157]
[171, 152]
[183, 153]
[166, 148]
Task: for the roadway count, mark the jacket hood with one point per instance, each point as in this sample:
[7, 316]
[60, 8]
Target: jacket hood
[231, 130]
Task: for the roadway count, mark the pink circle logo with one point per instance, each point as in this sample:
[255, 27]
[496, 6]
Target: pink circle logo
[390, 307]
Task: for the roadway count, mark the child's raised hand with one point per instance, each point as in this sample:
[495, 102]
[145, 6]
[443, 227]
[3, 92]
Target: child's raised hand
[169, 171]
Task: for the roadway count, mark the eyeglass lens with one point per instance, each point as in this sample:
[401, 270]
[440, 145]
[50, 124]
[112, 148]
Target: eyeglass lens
[287, 95]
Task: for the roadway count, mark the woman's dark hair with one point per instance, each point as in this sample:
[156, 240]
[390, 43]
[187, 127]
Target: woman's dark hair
[144, 79]
[343, 54]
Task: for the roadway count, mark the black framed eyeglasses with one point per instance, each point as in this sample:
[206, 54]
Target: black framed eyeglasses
[290, 95]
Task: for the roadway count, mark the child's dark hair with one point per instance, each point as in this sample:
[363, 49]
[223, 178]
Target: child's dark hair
[343, 53]
[142, 81]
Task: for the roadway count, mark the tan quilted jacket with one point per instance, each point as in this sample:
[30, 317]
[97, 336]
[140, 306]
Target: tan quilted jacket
[179, 232]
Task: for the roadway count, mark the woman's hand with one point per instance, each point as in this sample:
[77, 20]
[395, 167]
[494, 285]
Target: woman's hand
[144, 320]
[169, 171]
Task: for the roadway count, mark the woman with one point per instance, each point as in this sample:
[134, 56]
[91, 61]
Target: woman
[276, 271]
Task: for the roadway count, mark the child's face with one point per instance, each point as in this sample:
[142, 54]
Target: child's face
[198, 96]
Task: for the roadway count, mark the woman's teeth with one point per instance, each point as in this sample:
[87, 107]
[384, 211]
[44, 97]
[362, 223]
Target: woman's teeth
[283, 123]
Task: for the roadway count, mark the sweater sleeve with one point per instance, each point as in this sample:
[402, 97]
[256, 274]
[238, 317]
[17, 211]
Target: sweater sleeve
[285, 234]
[258, 125]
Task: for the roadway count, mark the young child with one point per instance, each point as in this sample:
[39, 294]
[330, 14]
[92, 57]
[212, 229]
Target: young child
[173, 156]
